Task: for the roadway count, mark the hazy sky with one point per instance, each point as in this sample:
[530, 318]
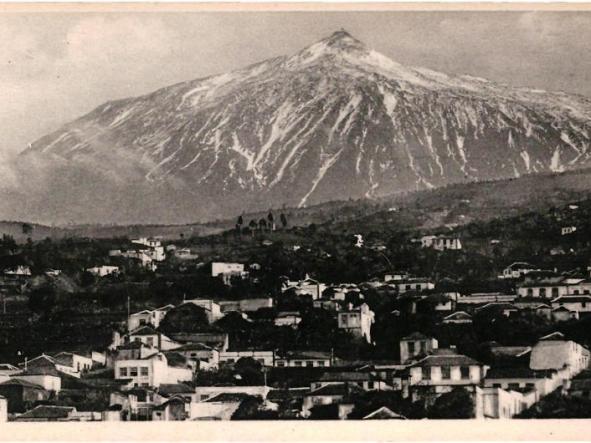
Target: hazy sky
[56, 66]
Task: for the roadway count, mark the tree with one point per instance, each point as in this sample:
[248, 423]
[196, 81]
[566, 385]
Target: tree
[250, 371]
[262, 224]
[283, 220]
[457, 403]
[253, 226]
[27, 229]
[42, 300]
[239, 224]
[184, 318]
[271, 221]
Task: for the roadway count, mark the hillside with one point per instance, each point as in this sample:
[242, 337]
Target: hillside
[452, 205]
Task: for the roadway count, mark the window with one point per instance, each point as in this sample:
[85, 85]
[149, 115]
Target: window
[513, 386]
[583, 304]
[554, 292]
[370, 385]
[203, 397]
[411, 347]
[193, 354]
[465, 371]
[418, 287]
[408, 287]
[144, 371]
[542, 292]
[150, 341]
[576, 292]
[445, 372]
[298, 363]
[497, 385]
[280, 364]
[320, 362]
[423, 346]
[133, 372]
[261, 361]
[530, 292]
[145, 385]
[309, 364]
[426, 373]
[123, 372]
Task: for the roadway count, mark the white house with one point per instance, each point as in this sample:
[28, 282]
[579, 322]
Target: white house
[309, 359]
[227, 270]
[365, 380]
[574, 303]
[357, 321]
[151, 317]
[3, 409]
[544, 288]
[441, 372]
[153, 338]
[518, 270]
[77, 362]
[265, 358]
[308, 286]
[151, 371]
[102, 271]
[212, 309]
[416, 344]
[568, 230]
[396, 276]
[46, 377]
[441, 242]
[413, 284]
[554, 351]
[20, 270]
[458, 317]
[288, 319]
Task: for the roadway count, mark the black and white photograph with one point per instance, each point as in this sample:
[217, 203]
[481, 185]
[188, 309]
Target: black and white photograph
[240, 214]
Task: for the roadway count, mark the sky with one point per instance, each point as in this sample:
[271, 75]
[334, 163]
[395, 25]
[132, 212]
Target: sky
[55, 67]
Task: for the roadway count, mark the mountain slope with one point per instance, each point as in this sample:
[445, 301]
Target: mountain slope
[334, 121]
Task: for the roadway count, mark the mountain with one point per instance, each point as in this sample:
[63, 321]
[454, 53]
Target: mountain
[335, 121]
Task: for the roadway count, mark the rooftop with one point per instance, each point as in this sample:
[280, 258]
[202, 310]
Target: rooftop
[48, 412]
[446, 360]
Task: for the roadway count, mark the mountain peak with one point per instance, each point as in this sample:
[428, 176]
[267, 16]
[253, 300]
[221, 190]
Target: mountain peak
[341, 39]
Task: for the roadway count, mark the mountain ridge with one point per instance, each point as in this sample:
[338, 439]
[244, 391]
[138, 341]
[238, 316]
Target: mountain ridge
[334, 121]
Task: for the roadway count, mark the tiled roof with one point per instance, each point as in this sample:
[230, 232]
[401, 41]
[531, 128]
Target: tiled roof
[284, 394]
[228, 397]
[144, 330]
[347, 376]
[337, 389]
[167, 389]
[383, 413]
[48, 412]
[573, 299]
[517, 372]
[19, 382]
[446, 360]
[194, 347]
[554, 336]
[416, 336]
[305, 355]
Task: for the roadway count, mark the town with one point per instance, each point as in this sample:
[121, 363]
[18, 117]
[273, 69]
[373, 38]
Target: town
[278, 322]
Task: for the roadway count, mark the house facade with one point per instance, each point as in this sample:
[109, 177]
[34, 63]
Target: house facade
[357, 321]
[554, 351]
[416, 344]
[151, 371]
